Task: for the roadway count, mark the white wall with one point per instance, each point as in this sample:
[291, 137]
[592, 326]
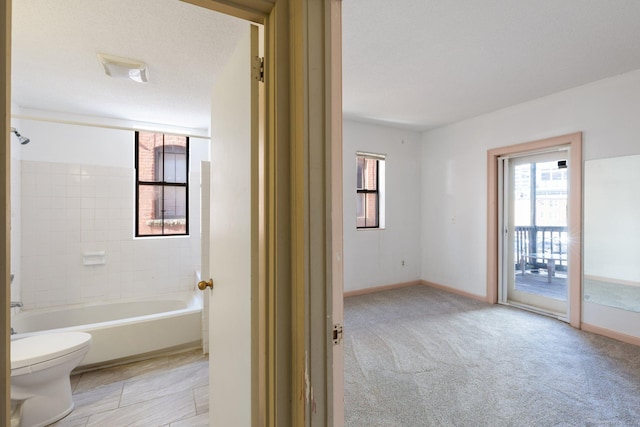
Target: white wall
[66, 143]
[77, 196]
[454, 212]
[374, 257]
[454, 174]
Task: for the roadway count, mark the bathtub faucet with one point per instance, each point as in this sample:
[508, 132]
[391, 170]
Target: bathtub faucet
[15, 303]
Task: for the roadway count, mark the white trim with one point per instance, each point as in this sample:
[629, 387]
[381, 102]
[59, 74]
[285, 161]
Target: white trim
[373, 156]
[532, 153]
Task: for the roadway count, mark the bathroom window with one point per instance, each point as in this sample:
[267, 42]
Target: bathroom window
[370, 173]
[162, 184]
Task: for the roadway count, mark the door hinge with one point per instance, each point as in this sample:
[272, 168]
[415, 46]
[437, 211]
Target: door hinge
[257, 69]
[337, 333]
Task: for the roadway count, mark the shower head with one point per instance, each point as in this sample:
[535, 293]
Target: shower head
[23, 139]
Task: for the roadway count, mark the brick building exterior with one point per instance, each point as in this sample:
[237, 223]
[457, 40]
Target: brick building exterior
[162, 171]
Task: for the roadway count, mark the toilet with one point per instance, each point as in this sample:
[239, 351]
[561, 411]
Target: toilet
[40, 369]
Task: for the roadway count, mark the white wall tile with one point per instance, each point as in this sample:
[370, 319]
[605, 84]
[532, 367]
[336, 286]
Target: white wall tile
[88, 202]
[59, 168]
[68, 209]
[43, 168]
[43, 185]
[29, 167]
[58, 180]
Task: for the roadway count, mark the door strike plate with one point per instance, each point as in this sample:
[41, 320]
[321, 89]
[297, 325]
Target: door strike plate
[337, 333]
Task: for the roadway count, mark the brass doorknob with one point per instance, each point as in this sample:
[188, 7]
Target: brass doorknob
[202, 285]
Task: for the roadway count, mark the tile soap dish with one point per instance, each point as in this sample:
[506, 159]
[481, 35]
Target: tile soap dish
[94, 258]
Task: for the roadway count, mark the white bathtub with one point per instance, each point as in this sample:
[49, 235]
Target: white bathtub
[121, 329]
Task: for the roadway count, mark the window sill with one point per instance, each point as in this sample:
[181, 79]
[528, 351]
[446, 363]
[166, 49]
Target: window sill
[162, 236]
[166, 222]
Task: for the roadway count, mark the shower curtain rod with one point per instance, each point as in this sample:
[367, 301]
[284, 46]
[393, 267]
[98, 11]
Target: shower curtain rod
[146, 127]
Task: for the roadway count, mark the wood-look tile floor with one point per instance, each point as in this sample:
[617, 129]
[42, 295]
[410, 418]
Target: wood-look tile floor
[167, 391]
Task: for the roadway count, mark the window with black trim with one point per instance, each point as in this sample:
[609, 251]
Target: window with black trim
[369, 190]
[162, 184]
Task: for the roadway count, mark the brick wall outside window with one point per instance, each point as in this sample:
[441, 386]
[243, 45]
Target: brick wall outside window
[153, 193]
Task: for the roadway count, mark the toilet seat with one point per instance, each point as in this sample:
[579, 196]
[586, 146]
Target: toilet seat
[37, 349]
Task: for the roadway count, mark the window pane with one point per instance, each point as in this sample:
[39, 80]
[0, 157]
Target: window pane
[162, 210]
[149, 156]
[371, 210]
[175, 162]
[159, 165]
[360, 207]
[169, 167]
[161, 159]
[181, 167]
[370, 174]
[175, 202]
[359, 173]
[367, 210]
[522, 195]
[367, 214]
[175, 167]
[149, 210]
[175, 210]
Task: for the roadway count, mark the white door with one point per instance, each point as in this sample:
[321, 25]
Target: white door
[535, 232]
[230, 240]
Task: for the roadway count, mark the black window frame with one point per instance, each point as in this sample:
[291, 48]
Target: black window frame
[161, 183]
[365, 191]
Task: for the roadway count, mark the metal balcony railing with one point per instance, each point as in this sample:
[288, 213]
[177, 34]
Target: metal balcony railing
[535, 245]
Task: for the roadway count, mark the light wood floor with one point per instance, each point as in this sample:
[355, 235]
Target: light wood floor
[168, 391]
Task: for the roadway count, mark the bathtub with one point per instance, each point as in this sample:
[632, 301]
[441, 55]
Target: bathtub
[122, 329]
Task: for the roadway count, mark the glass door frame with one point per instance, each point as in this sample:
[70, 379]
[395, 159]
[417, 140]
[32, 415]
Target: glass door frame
[508, 293]
[574, 141]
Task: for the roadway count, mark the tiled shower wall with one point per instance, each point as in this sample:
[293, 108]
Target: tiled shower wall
[68, 210]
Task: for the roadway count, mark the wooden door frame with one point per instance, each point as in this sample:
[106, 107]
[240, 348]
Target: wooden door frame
[574, 142]
[5, 213]
[303, 146]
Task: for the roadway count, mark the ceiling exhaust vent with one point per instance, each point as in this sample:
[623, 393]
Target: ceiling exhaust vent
[124, 68]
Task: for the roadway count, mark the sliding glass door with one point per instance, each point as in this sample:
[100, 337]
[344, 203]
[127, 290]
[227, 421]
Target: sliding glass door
[534, 238]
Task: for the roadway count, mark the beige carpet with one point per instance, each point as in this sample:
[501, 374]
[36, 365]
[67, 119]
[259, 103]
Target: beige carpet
[418, 356]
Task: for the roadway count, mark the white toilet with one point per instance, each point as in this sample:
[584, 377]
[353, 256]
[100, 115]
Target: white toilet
[40, 370]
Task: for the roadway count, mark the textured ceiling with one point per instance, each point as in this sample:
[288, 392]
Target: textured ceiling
[413, 63]
[425, 63]
[55, 66]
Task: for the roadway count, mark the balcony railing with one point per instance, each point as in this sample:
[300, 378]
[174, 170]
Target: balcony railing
[534, 245]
